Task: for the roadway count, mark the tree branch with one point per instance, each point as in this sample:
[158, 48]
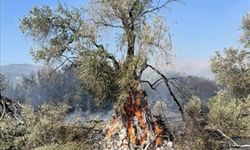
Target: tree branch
[166, 81]
[180, 91]
[151, 85]
[5, 103]
[104, 23]
[235, 145]
[61, 64]
[157, 7]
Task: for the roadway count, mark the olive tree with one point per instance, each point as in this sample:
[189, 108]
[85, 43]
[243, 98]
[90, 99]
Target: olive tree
[229, 109]
[76, 37]
[232, 69]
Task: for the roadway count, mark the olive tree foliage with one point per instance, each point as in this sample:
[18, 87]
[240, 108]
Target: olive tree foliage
[229, 109]
[245, 38]
[193, 107]
[229, 116]
[232, 69]
[75, 36]
[46, 129]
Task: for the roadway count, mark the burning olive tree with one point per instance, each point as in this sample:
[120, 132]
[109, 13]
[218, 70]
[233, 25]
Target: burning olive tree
[75, 36]
[78, 37]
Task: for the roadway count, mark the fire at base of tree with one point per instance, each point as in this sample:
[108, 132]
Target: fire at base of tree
[136, 128]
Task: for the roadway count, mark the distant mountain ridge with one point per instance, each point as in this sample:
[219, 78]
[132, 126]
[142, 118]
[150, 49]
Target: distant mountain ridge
[15, 72]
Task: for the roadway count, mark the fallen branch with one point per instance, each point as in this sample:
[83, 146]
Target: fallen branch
[6, 103]
[235, 144]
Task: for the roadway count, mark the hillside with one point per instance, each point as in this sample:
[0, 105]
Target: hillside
[14, 72]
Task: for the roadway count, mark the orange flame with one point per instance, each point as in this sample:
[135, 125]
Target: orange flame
[137, 107]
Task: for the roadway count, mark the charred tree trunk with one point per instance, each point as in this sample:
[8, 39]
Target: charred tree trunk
[136, 128]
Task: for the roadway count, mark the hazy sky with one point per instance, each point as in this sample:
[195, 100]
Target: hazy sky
[198, 29]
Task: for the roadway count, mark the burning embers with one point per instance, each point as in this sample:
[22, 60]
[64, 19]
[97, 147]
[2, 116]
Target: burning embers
[135, 128]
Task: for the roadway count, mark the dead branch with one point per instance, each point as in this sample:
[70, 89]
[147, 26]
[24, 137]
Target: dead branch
[6, 103]
[21, 106]
[235, 144]
[151, 85]
[67, 59]
[166, 81]
[179, 89]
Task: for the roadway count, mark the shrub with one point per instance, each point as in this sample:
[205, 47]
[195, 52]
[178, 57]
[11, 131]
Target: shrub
[193, 107]
[46, 128]
[39, 127]
[195, 137]
[226, 114]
